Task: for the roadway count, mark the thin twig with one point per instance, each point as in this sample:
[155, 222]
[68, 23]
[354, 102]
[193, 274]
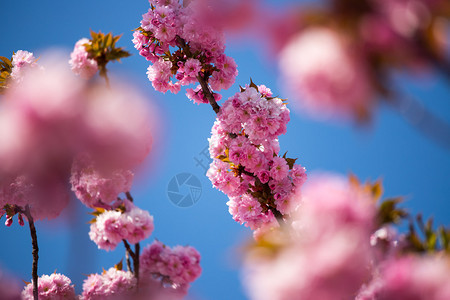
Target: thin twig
[127, 259]
[137, 250]
[208, 94]
[128, 248]
[129, 197]
[428, 123]
[35, 252]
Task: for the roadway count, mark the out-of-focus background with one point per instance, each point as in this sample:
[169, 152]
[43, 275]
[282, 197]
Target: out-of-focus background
[409, 163]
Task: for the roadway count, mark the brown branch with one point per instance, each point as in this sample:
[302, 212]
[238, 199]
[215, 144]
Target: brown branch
[208, 94]
[278, 215]
[127, 259]
[137, 250]
[35, 252]
[129, 197]
[203, 81]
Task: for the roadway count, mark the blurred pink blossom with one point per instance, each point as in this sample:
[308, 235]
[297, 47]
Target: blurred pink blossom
[326, 255]
[95, 188]
[325, 75]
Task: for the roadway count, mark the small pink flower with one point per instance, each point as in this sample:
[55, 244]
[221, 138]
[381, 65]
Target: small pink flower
[279, 169]
[21, 61]
[80, 62]
[192, 67]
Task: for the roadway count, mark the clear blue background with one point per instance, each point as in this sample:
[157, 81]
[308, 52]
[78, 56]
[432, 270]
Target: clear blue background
[390, 148]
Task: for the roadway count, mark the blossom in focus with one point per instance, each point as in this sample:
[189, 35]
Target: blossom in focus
[113, 226]
[21, 61]
[54, 286]
[246, 163]
[325, 75]
[325, 255]
[80, 62]
[170, 25]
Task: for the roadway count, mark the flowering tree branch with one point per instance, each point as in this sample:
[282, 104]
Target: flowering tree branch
[35, 251]
[208, 94]
[201, 80]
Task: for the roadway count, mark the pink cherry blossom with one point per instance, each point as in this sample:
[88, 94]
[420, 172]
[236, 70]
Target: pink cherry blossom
[168, 27]
[54, 286]
[308, 65]
[80, 62]
[112, 283]
[180, 265]
[95, 189]
[21, 61]
[414, 277]
[113, 226]
[324, 255]
[244, 148]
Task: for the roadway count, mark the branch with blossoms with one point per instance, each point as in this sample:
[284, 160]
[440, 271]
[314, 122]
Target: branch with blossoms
[244, 145]
[98, 159]
[327, 238]
[331, 213]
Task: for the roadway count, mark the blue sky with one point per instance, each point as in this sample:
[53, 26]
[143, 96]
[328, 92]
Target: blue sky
[390, 148]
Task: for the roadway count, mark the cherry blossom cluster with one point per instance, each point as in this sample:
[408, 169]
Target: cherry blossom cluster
[54, 286]
[127, 222]
[365, 43]
[112, 283]
[92, 55]
[182, 48]
[57, 116]
[246, 163]
[80, 61]
[95, 188]
[332, 250]
[325, 254]
[21, 61]
[173, 266]
[44, 199]
[308, 65]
